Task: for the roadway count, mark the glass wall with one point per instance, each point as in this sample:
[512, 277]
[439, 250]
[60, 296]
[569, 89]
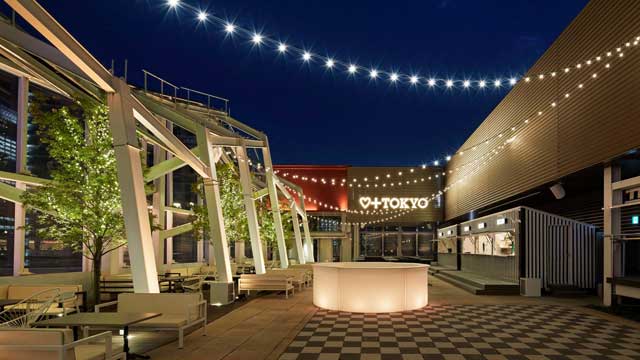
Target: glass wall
[8, 119]
[397, 241]
[185, 246]
[325, 224]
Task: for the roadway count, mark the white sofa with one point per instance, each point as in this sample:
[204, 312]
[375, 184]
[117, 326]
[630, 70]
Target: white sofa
[55, 344]
[71, 296]
[298, 276]
[266, 282]
[179, 311]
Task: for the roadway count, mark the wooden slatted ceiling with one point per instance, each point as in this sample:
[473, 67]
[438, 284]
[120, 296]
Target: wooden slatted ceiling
[596, 125]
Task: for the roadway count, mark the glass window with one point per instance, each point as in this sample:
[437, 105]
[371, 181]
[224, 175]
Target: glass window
[8, 119]
[6, 237]
[185, 246]
[408, 243]
[391, 241]
[425, 244]
[44, 256]
[325, 224]
[372, 244]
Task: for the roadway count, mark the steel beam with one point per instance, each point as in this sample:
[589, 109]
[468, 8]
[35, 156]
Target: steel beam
[296, 233]
[48, 27]
[165, 167]
[250, 208]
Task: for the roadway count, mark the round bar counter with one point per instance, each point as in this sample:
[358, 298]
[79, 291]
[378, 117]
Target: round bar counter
[370, 287]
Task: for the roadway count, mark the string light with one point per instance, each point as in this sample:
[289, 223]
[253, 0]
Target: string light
[447, 82]
[202, 16]
[282, 47]
[512, 130]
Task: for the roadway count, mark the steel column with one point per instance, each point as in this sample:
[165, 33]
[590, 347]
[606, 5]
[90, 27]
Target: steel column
[300, 252]
[134, 202]
[275, 207]
[21, 167]
[250, 207]
[217, 233]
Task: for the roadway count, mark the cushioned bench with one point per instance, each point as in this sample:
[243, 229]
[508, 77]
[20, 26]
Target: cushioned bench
[179, 311]
[298, 276]
[55, 344]
[266, 282]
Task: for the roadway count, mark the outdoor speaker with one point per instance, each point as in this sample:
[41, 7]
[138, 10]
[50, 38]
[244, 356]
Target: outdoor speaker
[558, 191]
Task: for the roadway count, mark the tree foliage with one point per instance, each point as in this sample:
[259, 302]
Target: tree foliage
[81, 207]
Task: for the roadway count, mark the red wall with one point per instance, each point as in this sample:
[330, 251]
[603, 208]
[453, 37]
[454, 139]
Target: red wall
[332, 195]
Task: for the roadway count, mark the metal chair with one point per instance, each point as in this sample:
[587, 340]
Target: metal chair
[193, 284]
[29, 310]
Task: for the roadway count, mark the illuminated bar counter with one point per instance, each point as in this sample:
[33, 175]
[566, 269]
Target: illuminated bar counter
[370, 287]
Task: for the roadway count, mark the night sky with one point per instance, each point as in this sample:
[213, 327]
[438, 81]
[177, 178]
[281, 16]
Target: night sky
[313, 116]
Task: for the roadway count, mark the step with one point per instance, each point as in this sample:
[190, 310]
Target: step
[478, 288]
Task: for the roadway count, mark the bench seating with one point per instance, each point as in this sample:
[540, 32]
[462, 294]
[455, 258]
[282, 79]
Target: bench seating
[179, 311]
[55, 344]
[266, 282]
[72, 298]
[299, 277]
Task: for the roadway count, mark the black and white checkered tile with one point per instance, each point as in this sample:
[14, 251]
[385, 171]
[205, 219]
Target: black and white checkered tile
[464, 332]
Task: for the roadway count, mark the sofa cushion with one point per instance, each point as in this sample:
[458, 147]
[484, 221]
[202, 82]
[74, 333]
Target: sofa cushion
[164, 321]
[34, 337]
[25, 291]
[164, 303]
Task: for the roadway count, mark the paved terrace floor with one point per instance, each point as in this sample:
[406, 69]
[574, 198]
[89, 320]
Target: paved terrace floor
[456, 325]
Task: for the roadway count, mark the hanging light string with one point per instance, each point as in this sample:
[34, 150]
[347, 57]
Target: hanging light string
[281, 48]
[506, 135]
[480, 163]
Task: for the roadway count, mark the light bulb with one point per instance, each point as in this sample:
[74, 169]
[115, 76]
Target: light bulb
[466, 83]
[394, 77]
[257, 39]
[482, 83]
[432, 82]
[497, 83]
[330, 63]
[306, 56]
[352, 69]
[512, 81]
[173, 3]
[413, 79]
[373, 73]
[282, 47]
[202, 16]
[449, 83]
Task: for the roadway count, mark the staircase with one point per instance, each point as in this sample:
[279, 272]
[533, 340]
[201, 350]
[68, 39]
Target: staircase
[475, 284]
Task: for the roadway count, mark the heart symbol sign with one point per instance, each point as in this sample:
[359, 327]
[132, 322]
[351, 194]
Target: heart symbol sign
[365, 202]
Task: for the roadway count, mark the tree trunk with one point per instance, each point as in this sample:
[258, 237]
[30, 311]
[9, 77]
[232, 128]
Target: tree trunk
[97, 271]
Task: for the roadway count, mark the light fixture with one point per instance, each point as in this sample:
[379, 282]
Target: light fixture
[466, 83]
[282, 47]
[373, 73]
[413, 79]
[306, 56]
[497, 83]
[229, 28]
[482, 83]
[449, 83]
[330, 63]
[173, 3]
[436, 163]
[202, 16]
[513, 81]
[394, 77]
[257, 38]
[352, 69]
[432, 82]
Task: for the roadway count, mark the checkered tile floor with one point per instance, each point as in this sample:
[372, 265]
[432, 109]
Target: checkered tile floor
[464, 332]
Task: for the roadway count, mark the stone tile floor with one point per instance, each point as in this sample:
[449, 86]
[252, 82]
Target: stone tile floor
[464, 332]
[491, 327]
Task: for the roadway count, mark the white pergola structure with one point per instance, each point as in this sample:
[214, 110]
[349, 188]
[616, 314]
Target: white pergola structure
[135, 113]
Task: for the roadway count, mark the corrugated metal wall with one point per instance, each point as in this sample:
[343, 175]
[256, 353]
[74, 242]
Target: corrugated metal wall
[597, 124]
[561, 251]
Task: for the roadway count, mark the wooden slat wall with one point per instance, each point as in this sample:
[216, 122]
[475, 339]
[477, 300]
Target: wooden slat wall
[597, 124]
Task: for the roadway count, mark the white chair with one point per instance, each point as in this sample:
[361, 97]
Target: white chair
[193, 284]
[29, 310]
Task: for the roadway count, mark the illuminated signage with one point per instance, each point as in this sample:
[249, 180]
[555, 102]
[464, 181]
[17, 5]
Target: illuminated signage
[466, 228]
[635, 220]
[482, 225]
[501, 221]
[449, 232]
[393, 202]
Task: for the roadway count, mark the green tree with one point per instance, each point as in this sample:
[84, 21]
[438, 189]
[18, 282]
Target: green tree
[232, 202]
[81, 207]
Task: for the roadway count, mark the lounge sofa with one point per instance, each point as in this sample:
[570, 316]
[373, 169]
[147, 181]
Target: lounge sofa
[179, 311]
[55, 344]
[72, 298]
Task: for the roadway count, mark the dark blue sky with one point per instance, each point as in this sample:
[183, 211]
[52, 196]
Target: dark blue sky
[317, 117]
